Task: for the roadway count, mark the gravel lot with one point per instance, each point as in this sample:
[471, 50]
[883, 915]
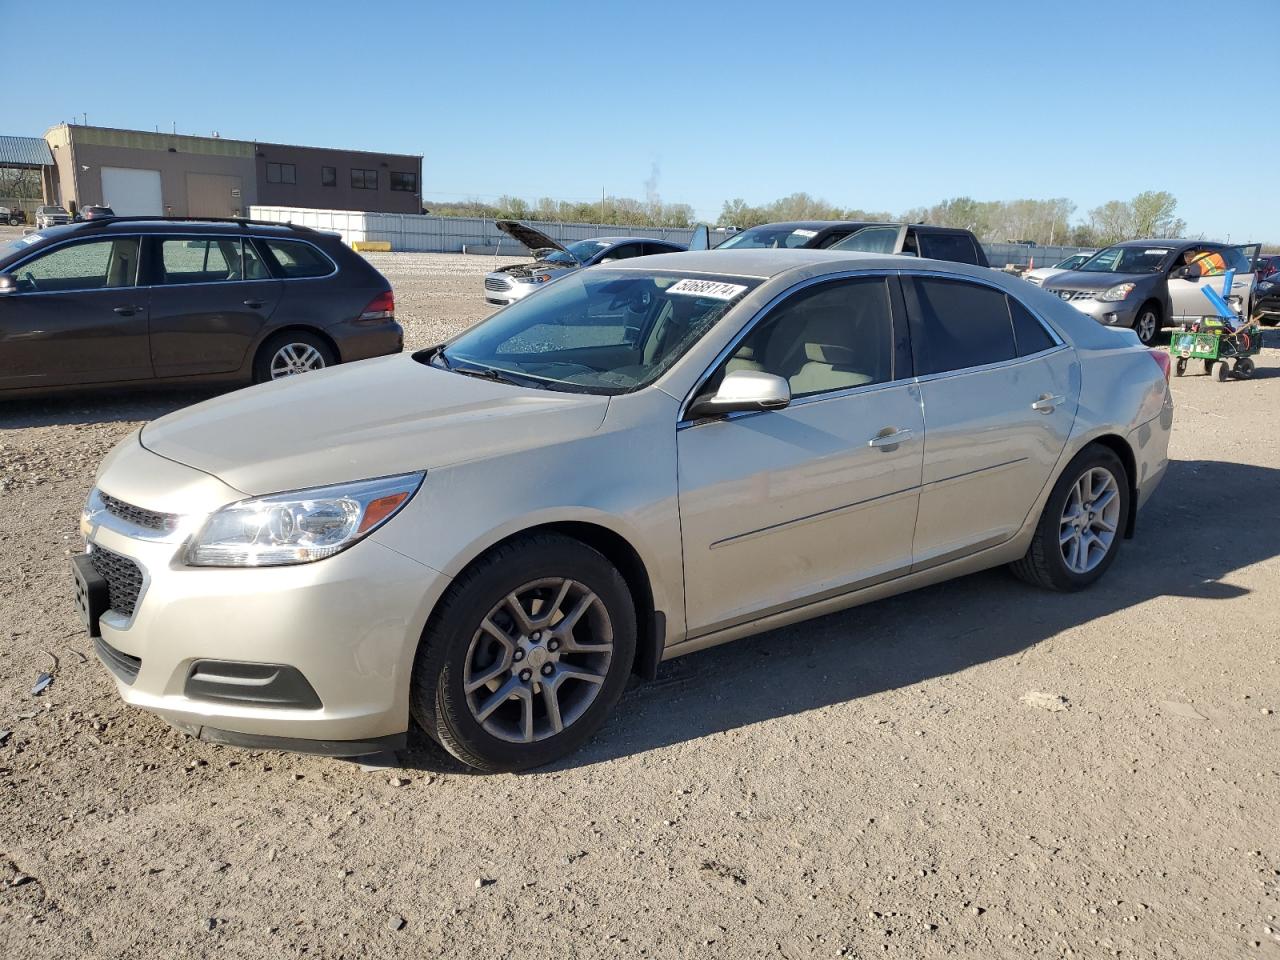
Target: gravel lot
[977, 769]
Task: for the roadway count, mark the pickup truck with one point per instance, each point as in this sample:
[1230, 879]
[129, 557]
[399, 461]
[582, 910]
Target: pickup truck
[916, 240]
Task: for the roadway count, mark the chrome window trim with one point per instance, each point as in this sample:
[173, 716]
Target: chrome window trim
[682, 420]
[165, 286]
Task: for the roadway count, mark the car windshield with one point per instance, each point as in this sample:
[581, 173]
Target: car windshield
[52, 210]
[768, 238]
[596, 331]
[579, 252]
[1126, 260]
[17, 246]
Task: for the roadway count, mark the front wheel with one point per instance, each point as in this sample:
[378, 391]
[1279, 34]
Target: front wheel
[526, 655]
[1147, 324]
[1180, 367]
[1083, 521]
[1221, 371]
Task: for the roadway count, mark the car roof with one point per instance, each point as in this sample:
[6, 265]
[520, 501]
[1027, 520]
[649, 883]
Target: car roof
[613, 240]
[1166, 242]
[764, 264]
[172, 225]
[808, 224]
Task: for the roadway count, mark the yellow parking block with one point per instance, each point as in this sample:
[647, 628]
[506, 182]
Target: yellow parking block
[373, 246]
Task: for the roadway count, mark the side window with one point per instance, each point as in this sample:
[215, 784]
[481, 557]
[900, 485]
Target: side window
[1029, 333]
[97, 264]
[199, 260]
[254, 267]
[649, 249]
[623, 252]
[298, 260]
[832, 337]
[955, 325]
[947, 246]
[835, 236]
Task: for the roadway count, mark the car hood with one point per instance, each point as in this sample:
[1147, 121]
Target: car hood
[369, 419]
[1077, 280]
[532, 238]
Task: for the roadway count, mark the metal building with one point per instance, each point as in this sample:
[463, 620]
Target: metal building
[136, 172]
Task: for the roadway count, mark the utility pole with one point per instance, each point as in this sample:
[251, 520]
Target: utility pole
[602, 204]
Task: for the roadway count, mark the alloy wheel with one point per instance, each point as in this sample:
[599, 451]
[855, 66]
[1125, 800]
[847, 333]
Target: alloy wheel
[538, 660]
[1147, 326]
[1090, 520]
[295, 358]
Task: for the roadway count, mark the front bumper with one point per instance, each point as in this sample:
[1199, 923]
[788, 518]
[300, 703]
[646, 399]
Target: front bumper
[1117, 313]
[510, 294]
[345, 627]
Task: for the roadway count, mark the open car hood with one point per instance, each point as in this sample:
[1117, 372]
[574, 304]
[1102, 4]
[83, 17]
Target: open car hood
[535, 240]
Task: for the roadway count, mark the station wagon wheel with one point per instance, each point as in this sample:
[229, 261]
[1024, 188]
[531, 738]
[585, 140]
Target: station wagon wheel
[527, 653]
[1082, 524]
[290, 353]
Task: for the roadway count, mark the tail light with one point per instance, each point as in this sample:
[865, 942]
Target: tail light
[1163, 361]
[383, 307]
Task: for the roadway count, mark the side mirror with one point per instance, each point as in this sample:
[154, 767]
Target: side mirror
[8, 284]
[743, 390]
[1190, 272]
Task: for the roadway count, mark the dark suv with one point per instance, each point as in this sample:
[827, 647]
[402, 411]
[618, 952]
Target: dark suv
[130, 299]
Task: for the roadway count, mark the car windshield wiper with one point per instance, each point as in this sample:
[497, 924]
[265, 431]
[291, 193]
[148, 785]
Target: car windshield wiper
[494, 374]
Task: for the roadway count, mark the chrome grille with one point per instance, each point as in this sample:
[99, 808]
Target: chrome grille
[151, 519]
[497, 283]
[123, 576]
[1070, 295]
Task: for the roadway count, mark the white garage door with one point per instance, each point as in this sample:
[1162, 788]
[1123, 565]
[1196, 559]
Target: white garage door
[132, 193]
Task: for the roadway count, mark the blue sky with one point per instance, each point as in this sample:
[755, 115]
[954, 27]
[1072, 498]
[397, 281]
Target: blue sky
[879, 106]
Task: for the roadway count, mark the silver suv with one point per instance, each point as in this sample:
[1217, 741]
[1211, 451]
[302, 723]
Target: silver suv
[51, 216]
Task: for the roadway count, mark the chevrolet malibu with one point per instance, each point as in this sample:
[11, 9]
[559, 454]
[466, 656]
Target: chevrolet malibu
[640, 461]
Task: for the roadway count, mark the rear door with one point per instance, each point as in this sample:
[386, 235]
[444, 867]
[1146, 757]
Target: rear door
[210, 299]
[999, 390]
[77, 317]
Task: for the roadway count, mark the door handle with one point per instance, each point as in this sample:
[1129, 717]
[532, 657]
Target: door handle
[253, 304]
[128, 311]
[1048, 403]
[890, 437]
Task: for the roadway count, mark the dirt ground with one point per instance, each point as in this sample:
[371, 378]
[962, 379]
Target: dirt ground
[978, 769]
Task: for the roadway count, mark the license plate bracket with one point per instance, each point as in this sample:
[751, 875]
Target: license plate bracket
[91, 592]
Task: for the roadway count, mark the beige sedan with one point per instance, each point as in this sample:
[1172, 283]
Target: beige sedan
[640, 460]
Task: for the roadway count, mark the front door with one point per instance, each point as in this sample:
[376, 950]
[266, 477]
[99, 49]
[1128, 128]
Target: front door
[77, 317]
[784, 507]
[1186, 296]
[210, 300]
[999, 393]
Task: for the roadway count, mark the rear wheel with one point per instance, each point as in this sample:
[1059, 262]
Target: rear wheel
[290, 353]
[1221, 371]
[1180, 367]
[1244, 368]
[1147, 323]
[526, 654]
[1080, 529]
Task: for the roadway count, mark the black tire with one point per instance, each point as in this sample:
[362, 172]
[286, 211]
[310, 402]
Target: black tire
[1044, 564]
[1208, 368]
[1243, 368]
[438, 699]
[262, 363]
[1152, 309]
[1222, 371]
[1180, 367]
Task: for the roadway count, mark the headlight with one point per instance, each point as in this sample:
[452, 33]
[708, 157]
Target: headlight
[1264, 286]
[299, 527]
[1118, 292]
[536, 278]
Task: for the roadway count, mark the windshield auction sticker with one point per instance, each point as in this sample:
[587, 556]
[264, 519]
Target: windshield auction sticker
[714, 289]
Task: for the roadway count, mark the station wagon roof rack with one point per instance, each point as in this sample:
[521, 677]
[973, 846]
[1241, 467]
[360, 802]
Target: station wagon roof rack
[239, 221]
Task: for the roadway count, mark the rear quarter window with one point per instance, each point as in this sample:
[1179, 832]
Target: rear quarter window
[298, 260]
[946, 246]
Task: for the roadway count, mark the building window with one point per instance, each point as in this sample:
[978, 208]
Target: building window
[408, 182]
[328, 176]
[364, 179]
[281, 173]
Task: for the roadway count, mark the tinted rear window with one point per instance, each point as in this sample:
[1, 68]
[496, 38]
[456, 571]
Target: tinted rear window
[956, 325]
[947, 246]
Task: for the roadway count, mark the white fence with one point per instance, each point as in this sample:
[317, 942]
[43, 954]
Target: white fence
[426, 234]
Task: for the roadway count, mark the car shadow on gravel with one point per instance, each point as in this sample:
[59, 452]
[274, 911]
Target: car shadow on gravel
[100, 407]
[937, 631]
